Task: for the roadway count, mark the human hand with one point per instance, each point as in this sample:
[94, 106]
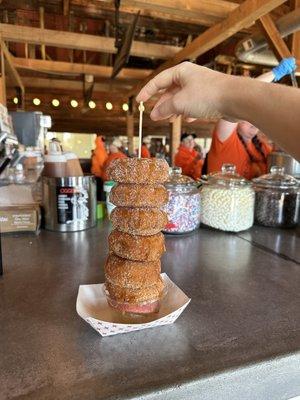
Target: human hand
[186, 89]
[285, 67]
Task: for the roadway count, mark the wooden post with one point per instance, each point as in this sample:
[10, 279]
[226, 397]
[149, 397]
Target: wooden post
[66, 7]
[2, 78]
[42, 26]
[130, 129]
[175, 137]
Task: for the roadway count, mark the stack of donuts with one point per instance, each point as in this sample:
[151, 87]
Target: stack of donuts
[132, 269]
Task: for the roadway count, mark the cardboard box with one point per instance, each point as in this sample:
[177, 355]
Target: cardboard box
[20, 218]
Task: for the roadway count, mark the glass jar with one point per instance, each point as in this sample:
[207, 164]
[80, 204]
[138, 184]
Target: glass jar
[183, 207]
[277, 198]
[227, 201]
[107, 187]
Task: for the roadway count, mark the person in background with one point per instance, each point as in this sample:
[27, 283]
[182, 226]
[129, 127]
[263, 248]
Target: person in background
[187, 158]
[114, 153]
[145, 151]
[240, 143]
[58, 144]
[99, 156]
[125, 146]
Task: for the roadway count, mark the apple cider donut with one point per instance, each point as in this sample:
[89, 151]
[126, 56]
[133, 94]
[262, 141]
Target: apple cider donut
[136, 296]
[138, 221]
[149, 171]
[136, 247]
[132, 195]
[131, 274]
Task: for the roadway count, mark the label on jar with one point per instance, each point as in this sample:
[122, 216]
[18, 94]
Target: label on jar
[72, 204]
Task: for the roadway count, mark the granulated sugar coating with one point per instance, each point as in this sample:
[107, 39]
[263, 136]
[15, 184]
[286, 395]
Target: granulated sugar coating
[135, 247]
[131, 274]
[131, 195]
[139, 170]
[138, 221]
[135, 296]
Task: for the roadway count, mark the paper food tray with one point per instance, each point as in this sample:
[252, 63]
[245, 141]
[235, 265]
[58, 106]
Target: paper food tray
[92, 306]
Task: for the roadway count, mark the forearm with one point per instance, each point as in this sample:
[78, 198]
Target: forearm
[266, 77]
[264, 106]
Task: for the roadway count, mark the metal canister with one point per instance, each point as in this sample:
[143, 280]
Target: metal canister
[69, 203]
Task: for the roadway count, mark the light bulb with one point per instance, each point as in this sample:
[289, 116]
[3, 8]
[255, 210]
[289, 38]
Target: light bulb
[92, 104]
[109, 106]
[125, 107]
[74, 103]
[55, 103]
[15, 100]
[36, 101]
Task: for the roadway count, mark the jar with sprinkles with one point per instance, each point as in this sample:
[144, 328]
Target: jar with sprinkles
[227, 201]
[183, 207]
[277, 199]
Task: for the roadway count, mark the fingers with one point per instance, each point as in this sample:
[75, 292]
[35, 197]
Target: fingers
[164, 110]
[161, 81]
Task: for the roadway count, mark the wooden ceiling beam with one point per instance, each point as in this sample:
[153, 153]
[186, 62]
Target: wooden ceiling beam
[243, 16]
[204, 12]
[81, 41]
[274, 38]
[68, 85]
[295, 41]
[61, 67]
[14, 73]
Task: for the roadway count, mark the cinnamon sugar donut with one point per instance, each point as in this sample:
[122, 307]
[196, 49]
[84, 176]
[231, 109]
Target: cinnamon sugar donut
[138, 221]
[135, 296]
[132, 195]
[131, 274]
[134, 247]
[148, 171]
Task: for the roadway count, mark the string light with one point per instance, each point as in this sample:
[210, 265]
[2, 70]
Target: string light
[109, 106]
[15, 100]
[74, 103]
[92, 104]
[36, 101]
[55, 103]
[125, 107]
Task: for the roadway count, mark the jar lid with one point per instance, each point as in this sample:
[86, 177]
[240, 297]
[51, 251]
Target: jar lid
[227, 177]
[277, 179]
[176, 179]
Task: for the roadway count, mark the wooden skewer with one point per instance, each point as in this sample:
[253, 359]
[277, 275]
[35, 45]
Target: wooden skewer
[141, 109]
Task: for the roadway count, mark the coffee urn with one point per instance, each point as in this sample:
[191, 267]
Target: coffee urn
[69, 203]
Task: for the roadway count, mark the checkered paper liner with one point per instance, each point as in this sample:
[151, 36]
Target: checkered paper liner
[93, 308]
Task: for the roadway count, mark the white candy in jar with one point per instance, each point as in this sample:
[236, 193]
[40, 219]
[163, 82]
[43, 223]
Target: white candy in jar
[227, 209]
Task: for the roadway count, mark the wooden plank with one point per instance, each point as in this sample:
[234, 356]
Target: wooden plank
[11, 68]
[61, 67]
[130, 131]
[70, 85]
[176, 129]
[42, 26]
[80, 41]
[66, 7]
[243, 16]
[295, 42]
[2, 76]
[274, 38]
[204, 12]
